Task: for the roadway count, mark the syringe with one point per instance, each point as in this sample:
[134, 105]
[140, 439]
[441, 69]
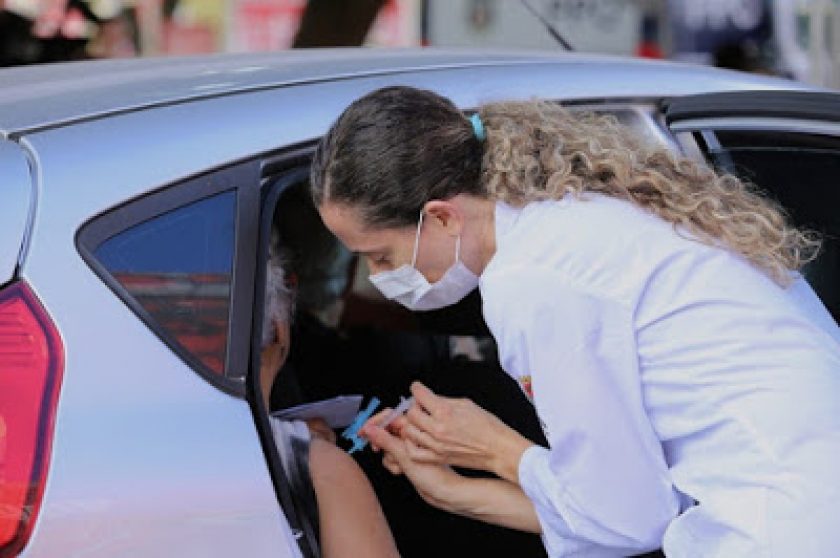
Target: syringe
[399, 411]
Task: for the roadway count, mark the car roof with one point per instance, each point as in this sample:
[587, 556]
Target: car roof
[43, 96]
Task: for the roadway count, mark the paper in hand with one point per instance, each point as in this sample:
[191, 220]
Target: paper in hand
[338, 412]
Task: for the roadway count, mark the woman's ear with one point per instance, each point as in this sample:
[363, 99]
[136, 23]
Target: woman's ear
[445, 214]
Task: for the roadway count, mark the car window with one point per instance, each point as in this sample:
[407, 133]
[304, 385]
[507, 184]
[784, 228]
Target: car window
[178, 267]
[642, 119]
[799, 170]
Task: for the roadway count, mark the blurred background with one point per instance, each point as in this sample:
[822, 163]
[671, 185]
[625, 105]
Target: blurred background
[794, 38]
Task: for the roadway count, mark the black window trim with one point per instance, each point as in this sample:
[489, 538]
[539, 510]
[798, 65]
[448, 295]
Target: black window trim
[819, 106]
[241, 178]
[277, 174]
[700, 134]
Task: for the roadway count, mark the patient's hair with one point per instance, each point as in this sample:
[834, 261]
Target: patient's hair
[279, 297]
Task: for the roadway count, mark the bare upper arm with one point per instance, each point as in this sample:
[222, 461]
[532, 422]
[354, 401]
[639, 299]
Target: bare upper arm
[352, 522]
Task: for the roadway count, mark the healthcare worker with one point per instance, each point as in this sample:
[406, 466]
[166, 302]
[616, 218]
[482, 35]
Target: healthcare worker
[687, 378]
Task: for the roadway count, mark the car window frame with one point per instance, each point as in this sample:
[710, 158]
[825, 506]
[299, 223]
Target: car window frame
[694, 119]
[698, 137]
[242, 178]
[648, 111]
[276, 174]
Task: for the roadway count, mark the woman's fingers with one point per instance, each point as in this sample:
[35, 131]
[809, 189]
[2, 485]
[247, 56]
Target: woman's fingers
[422, 439]
[427, 399]
[384, 440]
[373, 421]
[391, 464]
[420, 454]
[422, 420]
[397, 425]
[394, 427]
[377, 418]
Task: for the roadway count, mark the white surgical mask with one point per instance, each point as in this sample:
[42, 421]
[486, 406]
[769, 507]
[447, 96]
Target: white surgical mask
[410, 288]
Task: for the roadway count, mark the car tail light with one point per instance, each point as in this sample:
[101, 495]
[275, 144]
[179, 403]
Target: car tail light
[31, 367]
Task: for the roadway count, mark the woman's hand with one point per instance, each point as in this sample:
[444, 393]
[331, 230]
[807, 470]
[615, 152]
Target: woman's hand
[437, 484]
[442, 430]
[494, 501]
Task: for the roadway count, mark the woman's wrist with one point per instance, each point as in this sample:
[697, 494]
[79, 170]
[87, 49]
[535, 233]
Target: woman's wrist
[454, 493]
[508, 456]
[495, 501]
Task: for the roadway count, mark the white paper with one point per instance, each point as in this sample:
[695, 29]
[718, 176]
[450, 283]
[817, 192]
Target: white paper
[338, 412]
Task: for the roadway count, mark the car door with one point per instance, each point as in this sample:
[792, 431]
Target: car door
[787, 143]
[143, 255]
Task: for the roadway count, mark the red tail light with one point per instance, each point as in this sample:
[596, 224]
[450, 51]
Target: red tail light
[31, 366]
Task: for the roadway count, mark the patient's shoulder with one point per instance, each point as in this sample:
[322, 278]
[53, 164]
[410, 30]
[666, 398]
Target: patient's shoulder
[329, 464]
[352, 523]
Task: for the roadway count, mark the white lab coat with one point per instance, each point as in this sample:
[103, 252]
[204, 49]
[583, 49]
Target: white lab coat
[665, 372]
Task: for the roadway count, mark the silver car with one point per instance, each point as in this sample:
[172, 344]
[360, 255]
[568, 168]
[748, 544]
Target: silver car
[136, 203]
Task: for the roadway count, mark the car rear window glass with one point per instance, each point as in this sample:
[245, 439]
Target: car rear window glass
[799, 171]
[641, 120]
[178, 267]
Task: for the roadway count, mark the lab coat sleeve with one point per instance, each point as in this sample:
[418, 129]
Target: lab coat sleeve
[603, 487]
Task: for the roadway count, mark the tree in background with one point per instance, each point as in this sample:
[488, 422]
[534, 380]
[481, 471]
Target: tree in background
[59, 32]
[327, 23]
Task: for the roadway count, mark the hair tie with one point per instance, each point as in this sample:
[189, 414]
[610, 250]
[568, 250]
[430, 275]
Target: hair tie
[478, 127]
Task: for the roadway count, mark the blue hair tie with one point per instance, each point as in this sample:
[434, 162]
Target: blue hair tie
[478, 127]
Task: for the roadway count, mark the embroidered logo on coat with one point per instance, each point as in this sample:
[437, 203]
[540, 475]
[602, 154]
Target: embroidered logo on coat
[525, 384]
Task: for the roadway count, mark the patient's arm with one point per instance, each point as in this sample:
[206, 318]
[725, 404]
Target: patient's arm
[352, 522]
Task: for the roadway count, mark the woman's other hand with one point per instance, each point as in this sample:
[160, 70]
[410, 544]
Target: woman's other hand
[494, 501]
[436, 484]
[444, 430]
[395, 427]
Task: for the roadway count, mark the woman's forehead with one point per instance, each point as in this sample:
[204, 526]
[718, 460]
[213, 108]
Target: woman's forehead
[346, 223]
[342, 220]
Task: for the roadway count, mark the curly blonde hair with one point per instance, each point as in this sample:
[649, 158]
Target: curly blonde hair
[538, 150]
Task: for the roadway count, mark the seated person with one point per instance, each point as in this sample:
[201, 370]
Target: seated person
[331, 492]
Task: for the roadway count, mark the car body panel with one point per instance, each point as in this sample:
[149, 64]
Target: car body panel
[38, 97]
[187, 138]
[148, 447]
[16, 208]
[147, 458]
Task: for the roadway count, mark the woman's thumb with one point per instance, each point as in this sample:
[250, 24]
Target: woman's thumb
[380, 437]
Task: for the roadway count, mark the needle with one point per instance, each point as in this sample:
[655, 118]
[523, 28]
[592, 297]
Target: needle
[404, 405]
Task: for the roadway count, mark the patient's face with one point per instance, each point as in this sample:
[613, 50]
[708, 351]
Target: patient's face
[273, 357]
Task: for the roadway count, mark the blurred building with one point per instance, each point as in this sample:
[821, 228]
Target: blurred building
[255, 25]
[608, 26]
[798, 38]
[109, 28]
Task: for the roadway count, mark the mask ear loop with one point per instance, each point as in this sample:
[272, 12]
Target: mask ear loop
[417, 240]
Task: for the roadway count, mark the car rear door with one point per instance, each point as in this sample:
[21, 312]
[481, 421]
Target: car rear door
[15, 206]
[788, 144]
[142, 255]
